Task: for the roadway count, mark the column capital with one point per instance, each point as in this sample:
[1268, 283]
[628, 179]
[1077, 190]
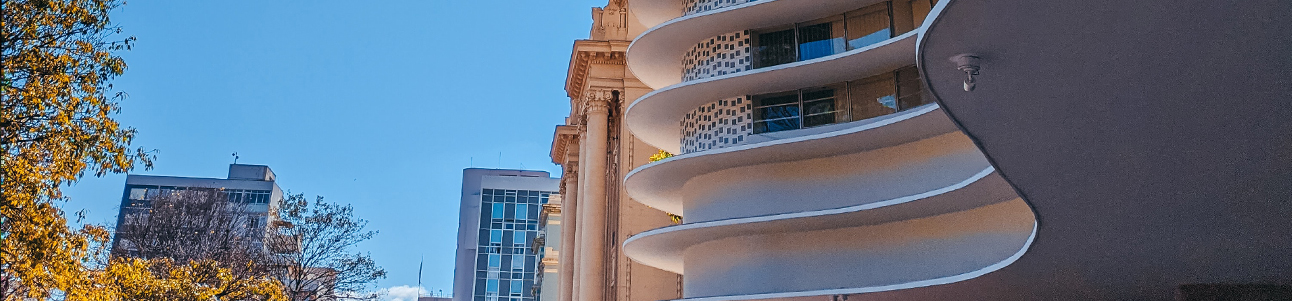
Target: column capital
[597, 100]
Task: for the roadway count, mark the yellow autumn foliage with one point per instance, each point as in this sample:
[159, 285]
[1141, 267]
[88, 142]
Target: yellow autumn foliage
[55, 126]
[661, 155]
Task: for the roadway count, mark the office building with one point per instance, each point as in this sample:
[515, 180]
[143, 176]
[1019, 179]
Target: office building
[251, 185]
[497, 226]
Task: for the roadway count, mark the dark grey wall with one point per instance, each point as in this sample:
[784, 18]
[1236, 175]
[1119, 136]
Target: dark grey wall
[1152, 138]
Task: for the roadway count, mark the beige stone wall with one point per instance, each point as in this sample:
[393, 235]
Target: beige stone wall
[596, 67]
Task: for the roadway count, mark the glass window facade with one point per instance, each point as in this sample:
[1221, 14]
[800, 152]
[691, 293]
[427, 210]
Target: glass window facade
[835, 34]
[505, 267]
[860, 99]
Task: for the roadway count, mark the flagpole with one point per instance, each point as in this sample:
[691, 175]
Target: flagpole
[419, 276]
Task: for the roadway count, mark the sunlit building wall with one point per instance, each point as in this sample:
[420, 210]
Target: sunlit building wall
[810, 163]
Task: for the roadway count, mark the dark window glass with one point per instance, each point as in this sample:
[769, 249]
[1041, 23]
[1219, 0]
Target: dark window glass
[819, 108]
[774, 48]
[820, 40]
[776, 112]
[909, 88]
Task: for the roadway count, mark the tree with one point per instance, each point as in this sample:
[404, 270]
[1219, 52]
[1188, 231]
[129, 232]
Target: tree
[321, 266]
[161, 279]
[55, 125]
[56, 63]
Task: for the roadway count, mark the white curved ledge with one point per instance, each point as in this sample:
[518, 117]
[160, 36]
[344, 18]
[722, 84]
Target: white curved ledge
[655, 57]
[662, 248]
[908, 285]
[655, 117]
[653, 12]
[659, 184]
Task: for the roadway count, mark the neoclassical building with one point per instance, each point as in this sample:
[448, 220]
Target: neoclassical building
[815, 156]
[596, 150]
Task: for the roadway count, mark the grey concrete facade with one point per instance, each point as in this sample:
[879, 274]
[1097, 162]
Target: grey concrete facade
[258, 181]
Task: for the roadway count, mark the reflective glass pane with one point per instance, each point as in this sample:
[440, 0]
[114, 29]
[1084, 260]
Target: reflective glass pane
[868, 26]
[137, 193]
[872, 97]
[820, 40]
[774, 48]
[909, 88]
[495, 236]
[498, 210]
[519, 238]
[522, 211]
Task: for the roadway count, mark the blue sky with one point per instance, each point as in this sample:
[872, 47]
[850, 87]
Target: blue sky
[379, 104]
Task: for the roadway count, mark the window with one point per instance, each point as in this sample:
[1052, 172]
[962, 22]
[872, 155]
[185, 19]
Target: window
[491, 286]
[861, 99]
[495, 236]
[819, 106]
[498, 209]
[820, 38]
[518, 238]
[823, 37]
[522, 211]
[495, 261]
[518, 262]
[517, 287]
[138, 193]
[776, 112]
[773, 48]
[868, 25]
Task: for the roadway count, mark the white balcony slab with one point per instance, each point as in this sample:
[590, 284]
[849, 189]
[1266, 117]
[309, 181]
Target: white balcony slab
[659, 184]
[656, 117]
[663, 248]
[655, 57]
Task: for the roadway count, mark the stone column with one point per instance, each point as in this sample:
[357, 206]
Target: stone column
[592, 207]
[569, 224]
[579, 260]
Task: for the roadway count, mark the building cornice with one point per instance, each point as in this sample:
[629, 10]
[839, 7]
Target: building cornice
[565, 136]
[587, 53]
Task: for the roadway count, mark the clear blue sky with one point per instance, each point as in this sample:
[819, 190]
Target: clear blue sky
[380, 104]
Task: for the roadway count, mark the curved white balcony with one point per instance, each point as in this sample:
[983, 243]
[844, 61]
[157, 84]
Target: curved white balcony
[653, 12]
[655, 57]
[663, 248]
[838, 252]
[655, 117]
[659, 184]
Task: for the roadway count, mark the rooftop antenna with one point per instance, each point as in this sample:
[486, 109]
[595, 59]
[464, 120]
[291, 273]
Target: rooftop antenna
[499, 160]
[235, 157]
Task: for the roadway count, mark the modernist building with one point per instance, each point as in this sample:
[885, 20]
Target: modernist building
[815, 158]
[497, 226]
[252, 185]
